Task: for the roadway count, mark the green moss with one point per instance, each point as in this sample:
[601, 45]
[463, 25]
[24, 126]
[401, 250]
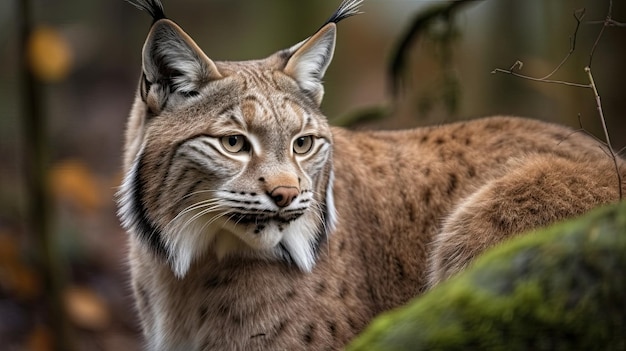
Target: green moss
[560, 288]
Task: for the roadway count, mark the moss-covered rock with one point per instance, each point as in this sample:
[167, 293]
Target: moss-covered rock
[560, 288]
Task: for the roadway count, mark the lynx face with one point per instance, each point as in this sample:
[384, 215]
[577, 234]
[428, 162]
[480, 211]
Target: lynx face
[229, 158]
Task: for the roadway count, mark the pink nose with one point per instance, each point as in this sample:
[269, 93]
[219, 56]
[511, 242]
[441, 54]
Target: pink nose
[283, 196]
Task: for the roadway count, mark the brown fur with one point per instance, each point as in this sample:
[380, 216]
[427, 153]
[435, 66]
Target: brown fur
[413, 207]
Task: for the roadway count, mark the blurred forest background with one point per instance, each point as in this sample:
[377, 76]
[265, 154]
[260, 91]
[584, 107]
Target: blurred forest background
[85, 58]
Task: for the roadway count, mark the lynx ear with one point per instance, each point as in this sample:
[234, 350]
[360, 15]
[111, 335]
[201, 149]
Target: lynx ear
[173, 66]
[310, 59]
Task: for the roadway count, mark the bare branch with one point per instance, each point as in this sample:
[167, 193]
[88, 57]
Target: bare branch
[542, 80]
[606, 146]
[587, 133]
[605, 129]
[578, 16]
[608, 21]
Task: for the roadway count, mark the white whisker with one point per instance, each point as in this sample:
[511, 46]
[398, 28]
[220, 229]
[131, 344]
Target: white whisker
[215, 218]
[203, 212]
[192, 207]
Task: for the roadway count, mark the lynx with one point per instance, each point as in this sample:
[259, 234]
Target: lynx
[254, 225]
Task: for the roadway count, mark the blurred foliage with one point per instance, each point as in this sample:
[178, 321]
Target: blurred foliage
[87, 309]
[439, 24]
[74, 182]
[17, 278]
[49, 54]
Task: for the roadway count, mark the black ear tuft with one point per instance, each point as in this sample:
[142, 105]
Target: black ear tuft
[346, 9]
[153, 7]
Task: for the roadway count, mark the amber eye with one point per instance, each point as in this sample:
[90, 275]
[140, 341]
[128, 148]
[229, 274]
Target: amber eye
[234, 143]
[303, 144]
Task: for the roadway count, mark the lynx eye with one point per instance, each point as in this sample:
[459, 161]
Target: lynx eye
[303, 144]
[234, 143]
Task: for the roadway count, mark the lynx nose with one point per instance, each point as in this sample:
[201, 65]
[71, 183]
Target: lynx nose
[283, 196]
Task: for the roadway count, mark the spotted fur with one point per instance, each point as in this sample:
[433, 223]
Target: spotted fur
[254, 225]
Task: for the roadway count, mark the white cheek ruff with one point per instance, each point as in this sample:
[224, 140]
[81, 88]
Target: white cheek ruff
[331, 210]
[189, 237]
[124, 196]
[183, 240]
[132, 213]
[299, 243]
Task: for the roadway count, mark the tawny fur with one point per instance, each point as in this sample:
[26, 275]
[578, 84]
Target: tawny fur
[413, 208]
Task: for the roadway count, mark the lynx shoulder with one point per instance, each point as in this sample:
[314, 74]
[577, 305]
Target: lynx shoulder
[254, 225]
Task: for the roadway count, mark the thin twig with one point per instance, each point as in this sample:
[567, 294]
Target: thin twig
[595, 44]
[586, 132]
[609, 145]
[609, 23]
[578, 16]
[605, 129]
[542, 80]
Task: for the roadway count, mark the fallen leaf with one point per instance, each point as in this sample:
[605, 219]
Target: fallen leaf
[72, 180]
[49, 54]
[86, 309]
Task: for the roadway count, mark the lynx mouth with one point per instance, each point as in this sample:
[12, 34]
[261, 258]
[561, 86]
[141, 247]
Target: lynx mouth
[284, 217]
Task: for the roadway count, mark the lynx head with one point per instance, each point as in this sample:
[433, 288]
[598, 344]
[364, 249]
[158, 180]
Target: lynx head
[229, 158]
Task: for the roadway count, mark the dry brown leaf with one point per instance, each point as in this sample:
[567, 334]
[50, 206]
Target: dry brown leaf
[49, 54]
[40, 339]
[15, 275]
[72, 180]
[86, 309]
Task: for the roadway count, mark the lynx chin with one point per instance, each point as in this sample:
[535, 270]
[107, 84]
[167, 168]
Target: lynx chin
[254, 225]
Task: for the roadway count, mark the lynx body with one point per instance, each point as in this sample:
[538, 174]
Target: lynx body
[254, 225]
